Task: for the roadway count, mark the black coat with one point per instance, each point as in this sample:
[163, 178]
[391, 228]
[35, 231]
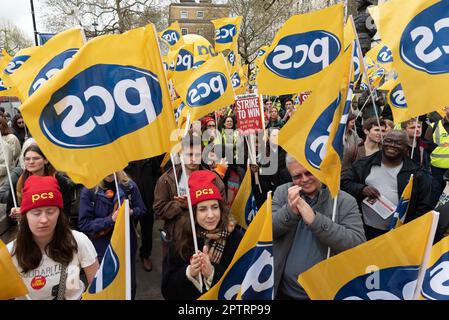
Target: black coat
[353, 182]
[176, 286]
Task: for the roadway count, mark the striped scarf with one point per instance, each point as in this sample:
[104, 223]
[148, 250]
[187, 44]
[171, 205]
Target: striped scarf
[215, 240]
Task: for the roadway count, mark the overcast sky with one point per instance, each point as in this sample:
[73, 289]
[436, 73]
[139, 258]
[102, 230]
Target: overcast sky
[19, 12]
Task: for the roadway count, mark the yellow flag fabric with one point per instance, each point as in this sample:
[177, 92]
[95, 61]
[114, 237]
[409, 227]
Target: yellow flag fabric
[402, 207]
[207, 89]
[15, 64]
[172, 36]
[250, 274]
[5, 91]
[226, 33]
[414, 30]
[396, 99]
[261, 55]
[435, 279]
[244, 207]
[382, 56]
[46, 61]
[11, 284]
[100, 111]
[307, 134]
[110, 280]
[383, 268]
[301, 52]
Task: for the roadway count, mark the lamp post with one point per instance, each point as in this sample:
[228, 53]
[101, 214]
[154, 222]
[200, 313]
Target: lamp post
[34, 22]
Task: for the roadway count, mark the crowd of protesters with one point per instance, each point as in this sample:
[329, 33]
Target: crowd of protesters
[75, 227]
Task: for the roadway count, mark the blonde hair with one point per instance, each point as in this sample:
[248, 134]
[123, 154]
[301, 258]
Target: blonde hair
[122, 178]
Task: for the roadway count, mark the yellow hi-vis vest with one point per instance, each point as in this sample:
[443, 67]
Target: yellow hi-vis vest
[440, 156]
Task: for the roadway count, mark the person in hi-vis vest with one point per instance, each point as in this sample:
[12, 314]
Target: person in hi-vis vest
[439, 158]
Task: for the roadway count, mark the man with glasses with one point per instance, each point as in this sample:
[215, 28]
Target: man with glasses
[303, 228]
[385, 175]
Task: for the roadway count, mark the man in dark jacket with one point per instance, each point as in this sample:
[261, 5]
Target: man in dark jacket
[145, 174]
[385, 174]
[170, 202]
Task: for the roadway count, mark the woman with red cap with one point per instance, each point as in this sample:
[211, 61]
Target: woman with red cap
[217, 237]
[46, 252]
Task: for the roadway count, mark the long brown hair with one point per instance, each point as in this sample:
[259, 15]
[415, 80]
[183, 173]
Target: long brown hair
[4, 128]
[49, 170]
[183, 242]
[61, 247]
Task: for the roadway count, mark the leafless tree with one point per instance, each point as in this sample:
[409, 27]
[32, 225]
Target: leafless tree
[100, 17]
[12, 39]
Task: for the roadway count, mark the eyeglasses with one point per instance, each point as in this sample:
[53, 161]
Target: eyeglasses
[32, 159]
[20, 122]
[392, 142]
[210, 126]
[302, 175]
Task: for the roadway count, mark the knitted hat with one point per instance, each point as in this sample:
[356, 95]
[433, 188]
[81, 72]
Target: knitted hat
[41, 192]
[205, 120]
[202, 187]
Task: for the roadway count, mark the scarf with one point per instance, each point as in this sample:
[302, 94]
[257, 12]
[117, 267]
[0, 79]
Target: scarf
[216, 240]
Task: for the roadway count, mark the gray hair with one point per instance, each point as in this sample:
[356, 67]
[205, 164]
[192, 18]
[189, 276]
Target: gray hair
[289, 159]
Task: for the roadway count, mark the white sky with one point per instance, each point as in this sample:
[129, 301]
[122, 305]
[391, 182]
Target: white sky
[19, 12]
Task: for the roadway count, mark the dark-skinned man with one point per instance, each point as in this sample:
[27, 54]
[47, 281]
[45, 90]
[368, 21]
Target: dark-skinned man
[386, 173]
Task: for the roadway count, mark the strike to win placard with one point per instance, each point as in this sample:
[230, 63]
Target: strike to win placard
[248, 111]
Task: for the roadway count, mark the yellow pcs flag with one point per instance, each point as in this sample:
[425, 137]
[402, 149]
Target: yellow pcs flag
[250, 274]
[415, 31]
[396, 99]
[172, 36]
[309, 135]
[208, 88]
[14, 63]
[301, 52]
[244, 207]
[112, 280]
[45, 61]
[382, 56]
[100, 111]
[384, 268]
[226, 33]
[434, 286]
[11, 284]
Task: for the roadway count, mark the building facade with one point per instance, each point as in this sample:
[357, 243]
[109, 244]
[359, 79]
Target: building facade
[196, 17]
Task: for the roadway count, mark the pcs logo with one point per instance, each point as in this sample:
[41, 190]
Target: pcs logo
[298, 56]
[231, 58]
[171, 36]
[251, 275]
[225, 34]
[385, 55]
[397, 97]
[250, 209]
[206, 89]
[235, 79]
[396, 283]
[424, 43]
[316, 142]
[107, 273]
[15, 64]
[91, 111]
[436, 280]
[184, 61]
[2, 86]
[51, 68]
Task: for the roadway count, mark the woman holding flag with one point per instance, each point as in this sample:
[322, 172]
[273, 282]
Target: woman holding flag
[46, 252]
[217, 235]
[99, 209]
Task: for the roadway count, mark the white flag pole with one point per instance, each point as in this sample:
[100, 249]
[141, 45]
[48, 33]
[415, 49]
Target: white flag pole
[414, 138]
[334, 213]
[116, 190]
[192, 221]
[423, 268]
[127, 252]
[174, 172]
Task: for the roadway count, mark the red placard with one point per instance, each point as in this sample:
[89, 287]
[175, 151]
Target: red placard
[248, 113]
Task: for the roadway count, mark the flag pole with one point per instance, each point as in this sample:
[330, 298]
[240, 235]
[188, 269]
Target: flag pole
[127, 253]
[425, 261]
[174, 172]
[192, 221]
[116, 190]
[414, 137]
[362, 63]
[334, 213]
